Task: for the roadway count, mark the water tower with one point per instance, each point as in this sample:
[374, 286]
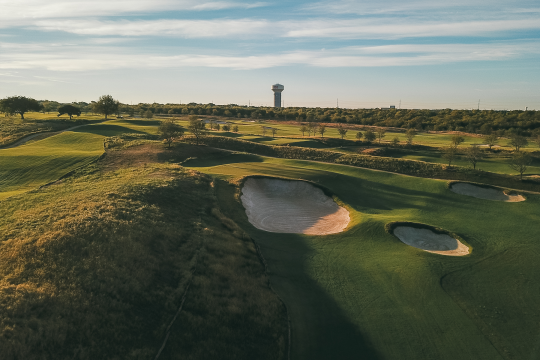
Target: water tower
[277, 89]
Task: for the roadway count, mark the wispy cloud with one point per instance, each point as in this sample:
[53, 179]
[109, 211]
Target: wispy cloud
[41, 9]
[183, 28]
[375, 56]
[399, 7]
[381, 28]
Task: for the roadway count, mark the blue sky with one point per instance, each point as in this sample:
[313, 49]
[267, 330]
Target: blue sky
[422, 54]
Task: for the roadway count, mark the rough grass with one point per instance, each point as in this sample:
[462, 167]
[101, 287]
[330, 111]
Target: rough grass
[95, 267]
[363, 293]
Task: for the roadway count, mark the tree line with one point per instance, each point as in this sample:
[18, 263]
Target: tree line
[501, 123]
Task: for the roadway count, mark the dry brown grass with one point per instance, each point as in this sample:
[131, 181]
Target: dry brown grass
[95, 268]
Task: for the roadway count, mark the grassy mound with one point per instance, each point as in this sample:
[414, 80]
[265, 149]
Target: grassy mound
[96, 267]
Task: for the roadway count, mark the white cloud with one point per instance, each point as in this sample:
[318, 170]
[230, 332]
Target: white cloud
[431, 7]
[183, 28]
[381, 28]
[42, 9]
[91, 59]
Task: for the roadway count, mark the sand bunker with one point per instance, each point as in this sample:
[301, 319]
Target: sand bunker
[292, 207]
[484, 193]
[430, 241]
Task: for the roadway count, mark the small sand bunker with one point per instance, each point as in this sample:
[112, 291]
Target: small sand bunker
[291, 207]
[430, 241]
[484, 193]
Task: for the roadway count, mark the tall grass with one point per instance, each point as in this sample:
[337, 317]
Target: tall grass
[94, 268]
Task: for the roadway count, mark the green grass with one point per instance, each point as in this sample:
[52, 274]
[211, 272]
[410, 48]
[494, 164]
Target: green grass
[365, 292]
[31, 165]
[96, 268]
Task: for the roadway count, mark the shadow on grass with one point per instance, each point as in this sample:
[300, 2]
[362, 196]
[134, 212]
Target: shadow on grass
[107, 130]
[319, 327]
[141, 122]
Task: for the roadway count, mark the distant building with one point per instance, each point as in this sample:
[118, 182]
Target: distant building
[389, 108]
[277, 89]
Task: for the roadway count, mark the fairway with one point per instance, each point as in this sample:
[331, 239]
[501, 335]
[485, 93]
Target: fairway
[365, 293]
[37, 163]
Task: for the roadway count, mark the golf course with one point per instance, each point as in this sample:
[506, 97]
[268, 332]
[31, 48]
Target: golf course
[195, 251]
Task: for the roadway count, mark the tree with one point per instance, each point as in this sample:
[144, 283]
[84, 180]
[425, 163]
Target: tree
[274, 132]
[235, 128]
[518, 141]
[217, 127]
[491, 140]
[226, 127]
[450, 154]
[315, 129]
[395, 141]
[457, 140]
[359, 136]
[537, 140]
[148, 114]
[303, 129]
[106, 105]
[310, 129]
[410, 134]
[474, 155]
[263, 130]
[342, 131]
[197, 128]
[70, 110]
[19, 105]
[381, 133]
[322, 130]
[519, 162]
[369, 136]
[169, 130]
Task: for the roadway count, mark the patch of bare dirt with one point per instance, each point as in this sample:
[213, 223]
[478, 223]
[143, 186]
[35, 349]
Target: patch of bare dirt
[132, 157]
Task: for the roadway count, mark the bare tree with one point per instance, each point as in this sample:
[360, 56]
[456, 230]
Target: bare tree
[274, 132]
[263, 130]
[474, 155]
[519, 162]
[303, 129]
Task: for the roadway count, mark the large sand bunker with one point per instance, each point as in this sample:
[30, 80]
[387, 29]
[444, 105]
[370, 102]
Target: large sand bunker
[426, 239]
[484, 192]
[291, 207]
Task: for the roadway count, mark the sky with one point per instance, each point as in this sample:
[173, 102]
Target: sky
[352, 54]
